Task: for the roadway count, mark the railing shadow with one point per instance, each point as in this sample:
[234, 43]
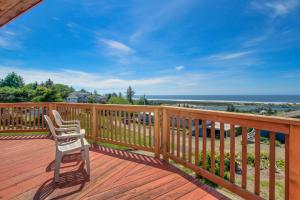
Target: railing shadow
[158, 163]
[66, 180]
[24, 137]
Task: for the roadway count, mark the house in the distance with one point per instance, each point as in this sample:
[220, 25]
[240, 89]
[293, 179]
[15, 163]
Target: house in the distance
[78, 97]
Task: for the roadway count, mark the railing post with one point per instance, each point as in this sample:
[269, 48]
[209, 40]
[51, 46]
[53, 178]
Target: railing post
[294, 165]
[166, 135]
[156, 133]
[94, 126]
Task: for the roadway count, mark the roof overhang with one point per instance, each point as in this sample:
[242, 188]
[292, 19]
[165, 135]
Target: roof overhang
[10, 9]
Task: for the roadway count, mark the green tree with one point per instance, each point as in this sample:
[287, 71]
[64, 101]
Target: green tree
[129, 94]
[63, 90]
[12, 80]
[49, 83]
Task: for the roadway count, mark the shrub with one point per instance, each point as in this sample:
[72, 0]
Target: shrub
[217, 166]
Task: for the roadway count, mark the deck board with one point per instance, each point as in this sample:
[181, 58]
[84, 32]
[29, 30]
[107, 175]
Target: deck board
[26, 170]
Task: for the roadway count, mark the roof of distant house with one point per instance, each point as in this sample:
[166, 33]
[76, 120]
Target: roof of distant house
[78, 94]
[72, 96]
[292, 114]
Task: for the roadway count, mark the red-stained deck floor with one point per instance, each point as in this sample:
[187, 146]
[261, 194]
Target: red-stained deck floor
[26, 172]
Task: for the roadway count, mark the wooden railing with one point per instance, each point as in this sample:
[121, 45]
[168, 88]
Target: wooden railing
[16, 117]
[203, 141]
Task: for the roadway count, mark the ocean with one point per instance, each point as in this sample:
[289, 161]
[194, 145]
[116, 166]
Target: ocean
[276, 99]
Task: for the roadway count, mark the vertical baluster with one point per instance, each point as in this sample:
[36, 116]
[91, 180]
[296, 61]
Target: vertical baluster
[139, 129]
[115, 119]
[106, 124]
[13, 118]
[100, 123]
[144, 127]
[120, 126]
[39, 123]
[212, 147]
[183, 138]
[134, 127]
[257, 163]
[232, 153]
[35, 117]
[17, 118]
[111, 129]
[129, 127]
[287, 163]
[222, 146]
[244, 157]
[204, 136]
[1, 119]
[272, 167]
[178, 136]
[109, 124]
[30, 117]
[125, 126]
[190, 140]
[103, 121]
[149, 128]
[196, 121]
[173, 134]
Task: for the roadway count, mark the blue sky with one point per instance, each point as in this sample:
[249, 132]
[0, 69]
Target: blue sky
[158, 46]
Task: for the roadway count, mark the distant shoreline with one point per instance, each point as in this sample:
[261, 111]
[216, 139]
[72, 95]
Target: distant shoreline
[226, 99]
[217, 101]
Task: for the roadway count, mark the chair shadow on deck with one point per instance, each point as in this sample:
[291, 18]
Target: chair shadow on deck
[67, 180]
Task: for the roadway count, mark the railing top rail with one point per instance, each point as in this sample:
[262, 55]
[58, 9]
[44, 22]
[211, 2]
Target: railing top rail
[220, 114]
[19, 104]
[261, 118]
[120, 106]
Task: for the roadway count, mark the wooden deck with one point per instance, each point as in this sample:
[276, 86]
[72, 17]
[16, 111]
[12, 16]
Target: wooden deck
[27, 163]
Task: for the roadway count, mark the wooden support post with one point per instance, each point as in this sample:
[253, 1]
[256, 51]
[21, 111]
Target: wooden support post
[156, 133]
[94, 125]
[294, 166]
[166, 135]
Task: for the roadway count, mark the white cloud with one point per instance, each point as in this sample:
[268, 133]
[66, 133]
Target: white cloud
[117, 48]
[80, 79]
[161, 14]
[164, 84]
[179, 67]
[227, 56]
[276, 8]
[9, 41]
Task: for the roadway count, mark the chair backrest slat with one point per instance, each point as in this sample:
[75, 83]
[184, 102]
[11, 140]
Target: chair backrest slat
[51, 126]
[57, 117]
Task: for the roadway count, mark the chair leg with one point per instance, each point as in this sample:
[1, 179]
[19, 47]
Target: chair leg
[82, 154]
[58, 158]
[87, 160]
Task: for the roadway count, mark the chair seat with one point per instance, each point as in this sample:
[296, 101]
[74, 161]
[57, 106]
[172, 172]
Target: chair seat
[72, 145]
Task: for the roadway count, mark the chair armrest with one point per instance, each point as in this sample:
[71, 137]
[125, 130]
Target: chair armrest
[71, 122]
[69, 125]
[68, 129]
[71, 135]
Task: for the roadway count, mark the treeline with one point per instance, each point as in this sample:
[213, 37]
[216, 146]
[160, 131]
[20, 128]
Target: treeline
[13, 89]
